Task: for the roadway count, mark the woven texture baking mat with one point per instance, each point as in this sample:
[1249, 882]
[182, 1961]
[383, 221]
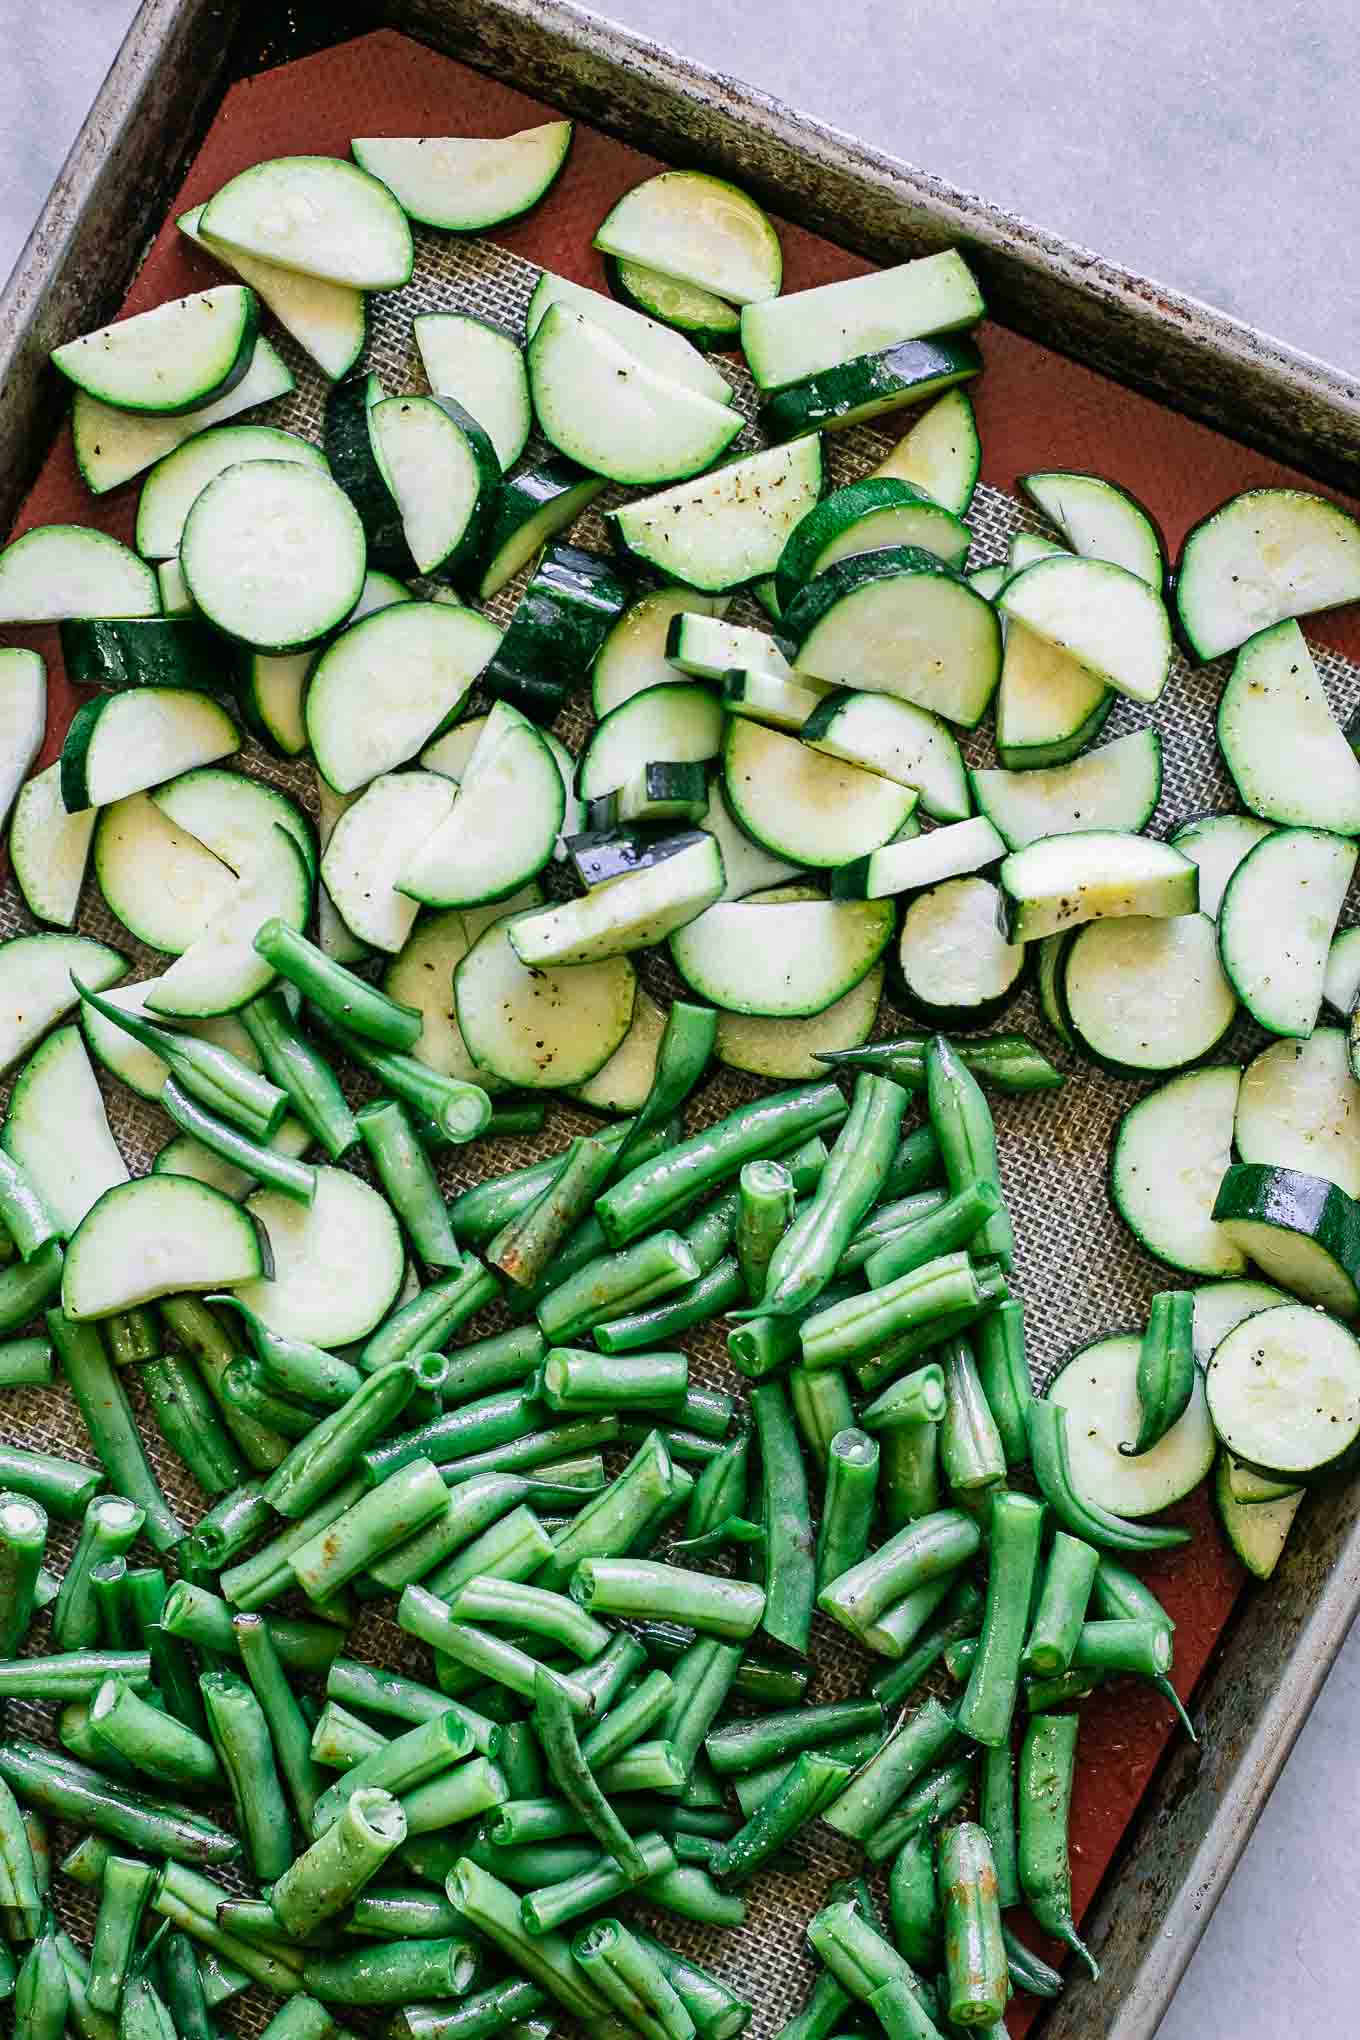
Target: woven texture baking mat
[1077, 1268]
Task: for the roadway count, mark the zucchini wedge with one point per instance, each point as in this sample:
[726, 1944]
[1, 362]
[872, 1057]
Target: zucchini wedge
[1300, 1230]
[317, 214]
[787, 1049]
[1061, 881]
[112, 446]
[953, 967]
[61, 570]
[898, 740]
[177, 357]
[58, 1131]
[23, 719]
[374, 843]
[705, 320]
[1170, 1152]
[1100, 521]
[1284, 1393]
[637, 910]
[572, 600]
[1287, 754]
[1299, 1108]
[443, 471]
[1098, 1389]
[787, 338]
[161, 882]
[803, 806]
[528, 511]
[120, 744]
[483, 369]
[702, 644]
[221, 971]
[635, 653]
[940, 452]
[1262, 556]
[782, 958]
[698, 229]
[466, 185]
[422, 976]
[948, 852]
[1048, 707]
[626, 1080]
[329, 321]
[337, 1263]
[49, 849]
[854, 392]
[864, 517]
[1257, 1531]
[160, 1236]
[502, 827]
[1101, 615]
[749, 866]
[1217, 844]
[386, 684]
[1116, 787]
[682, 724]
[543, 1030]
[656, 346]
[728, 527]
[1221, 1305]
[1276, 922]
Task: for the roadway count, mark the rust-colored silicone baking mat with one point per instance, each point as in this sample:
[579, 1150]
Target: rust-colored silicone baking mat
[1078, 1270]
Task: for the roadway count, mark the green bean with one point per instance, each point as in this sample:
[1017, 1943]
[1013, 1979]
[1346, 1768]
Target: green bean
[753, 1788]
[952, 1225]
[321, 1882]
[23, 1542]
[302, 2018]
[267, 1573]
[823, 2012]
[972, 1457]
[115, 1621]
[538, 1451]
[470, 1509]
[1028, 1971]
[42, 1991]
[1140, 1647]
[421, 1615]
[921, 1551]
[396, 1972]
[790, 1566]
[988, 1706]
[997, 1815]
[609, 1524]
[288, 1728]
[631, 1979]
[574, 1378]
[460, 1110]
[709, 1296]
[858, 1955]
[870, 1331]
[718, 2013]
[149, 1740]
[538, 1612]
[509, 1550]
[1166, 1368]
[182, 1984]
[191, 1902]
[321, 1461]
[194, 1330]
[295, 1366]
[719, 1494]
[430, 1319]
[975, 1954]
[515, 1116]
[132, 1336]
[26, 1363]
[489, 1421]
[629, 1720]
[1068, 1689]
[124, 1896]
[400, 1912]
[335, 990]
[213, 1076]
[240, 1734]
[806, 1257]
[931, 1800]
[67, 1790]
[730, 1609]
[291, 1062]
[82, 2019]
[1120, 1594]
[914, 1902]
[187, 1418]
[340, 1740]
[909, 1473]
[1004, 1373]
[808, 1787]
[205, 1620]
[766, 1211]
[821, 1407]
[253, 1157]
[493, 1910]
[763, 1345]
[502, 1361]
[454, 1797]
[72, 1674]
[1047, 1424]
[682, 1056]
[1008, 1062]
[635, 1275]
[526, 1245]
[1048, 1755]
[247, 1389]
[23, 1213]
[25, 1288]
[103, 1405]
[500, 2008]
[480, 1212]
[40, 1848]
[1061, 1610]
[84, 1864]
[574, 1778]
[74, 1734]
[21, 1896]
[894, 1215]
[691, 1893]
[917, 1398]
[918, 1742]
[407, 1178]
[962, 1120]
[380, 1520]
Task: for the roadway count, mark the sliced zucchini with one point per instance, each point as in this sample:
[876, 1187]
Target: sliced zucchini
[864, 517]
[1341, 981]
[625, 1082]
[1061, 881]
[1049, 953]
[175, 597]
[782, 958]
[175, 358]
[1221, 1305]
[1284, 1392]
[272, 687]
[233, 816]
[1048, 708]
[161, 882]
[338, 1262]
[528, 511]
[318, 214]
[748, 865]
[804, 806]
[119, 744]
[1257, 1531]
[634, 655]
[989, 581]
[789, 1050]
[49, 849]
[1287, 754]
[273, 554]
[1143, 996]
[174, 484]
[698, 229]
[728, 527]
[954, 967]
[900, 622]
[898, 740]
[1249, 1487]
[60, 570]
[1100, 520]
[500, 830]
[1300, 1230]
[335, 938]
[603, 407]
[386, 684]
[599, 855]
[467, 185]
[854, 392]
[1276, 923]
[1260, 557]
[1103, 616]
[562, 619]
[540, 1029]
[1217, 844]
[940, 452]
[909, 865]
[1169, 1155]
[705, 320]
[35, 985]
[665, 352]
[329, 321]
[144, 651]
[23, 718]
[681, 723]
[58, 1131]
[1099, 1390]
[112, 446]
[221, 971]
[635, 911]
[660, 792]
[185, 1156]
[1116, 787]
[422, 976]
[450, 753]
[790, 337]
[442, 469]
[158, 1236]
[700, 643]
[372, 846]
[766, 698]
[1299, 1108]
[483, 368]
[357, 466]
[1026, 548]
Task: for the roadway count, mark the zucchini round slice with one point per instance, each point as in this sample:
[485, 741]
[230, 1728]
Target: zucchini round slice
[635, 654]
[174, 484]
[1300, 1230]
[1299, 1108]
[788, 1050]
[383, 688]
[1221, 1305]
[854, 392]
[318, 214]
[483, 369]
[501, 828]
[637, 910]
[58, 1132]
[442, 469]
[954, 967]
[1260, 557]
[112, 446]
[705, 320]
[940, 452]
[175, 358]
[682, 724]
[49, 849]
[1169, 1156]
[1143, 996]
[338, 1261]
[1287, 754]
[728, 527]
[1098, 1388]
[898, 740]
[61, 570]
[804, 806]
[1048, 707]
[273, 554]
[665, 352]
[783, 957]
[1276, 921]
[864, 517]
[1217, 844]
[698, 229]
[119, 744]
[159, 1236]
[1341, 980]
[422, 976]
[541, 1029]
[1061, 881]
[329, 321]
[1257, 1531]
[232, 815]
[162, 883]
[468, 185]
[1103, 616]
[222, 970]
[372, 846]
[1101, 521]
[625, 1081]
[1116, 787]
[1284, 1392]
[900, 622]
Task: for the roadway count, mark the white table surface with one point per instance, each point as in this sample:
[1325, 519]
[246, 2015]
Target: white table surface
[1209, 144]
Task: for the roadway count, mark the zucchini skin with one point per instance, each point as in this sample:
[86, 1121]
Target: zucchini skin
[349, 449]
[118, 652]
[554, 634]
[832, 397]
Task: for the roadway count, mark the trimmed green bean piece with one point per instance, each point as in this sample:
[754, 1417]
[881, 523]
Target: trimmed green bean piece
[918, 1398]
[205, 1620]
[335, 990]
[848, 1505]
[821, 1407]
[288, 1729]
[539, 1451]
[23, 1213]
[1003, 1370]
[470, 1509]
[684, 1053]
[574, 1378]
[1029, 1971]
[753, 1788]
[384, 1692]
[502, 1361]
[909, 1473]
[972, 1457]
[931, 1800]
[764, 1216]
[755, 1678]
[1119, 1593]
[253, 1157]
[511, 1549]
[408, 1180]
[725, 1608]
[537, 1612]
[398, 1912]
[962, 1120]
[574, 1778]
[247, 1388]
[191, 1902]
[629, 1976]
[295, 1366]
[40, 1848]
[425, 1751]
[921, 1551]
[515, 1116]
[960, 1657]
[878, 1332]
[694, 1304]
[321, 1461]
[1010, 1063]
[459, 1110]
[421, 1615]
[395, 1973]
[480, 1212]
[635, 1275]
[103, 1405]
[26, 1363]
[430, 1319]
[193, 1329]
[718, 2013]
[1047, 1424]
[81, 2017]
[321, 1882]
[492, 1420]
[493, 1910]
[21, 1894]
[719, 1494]
[975, 1954]
[266, 1573]
[805, 1258]
[302, 2018]
[150, 1740]
[1048, 1754]
[892, 1218]
[1141, 1648]
[186, 1416]
[67, 1790]
[917, 1743]
[997, 1814]
[381, 1519]
[132, 1336]
[291, 1062]
[23, 1543]
[125, 1893]
[72, 1674]
[610, 1523]
[1166, 1368]
[339, 1740]
[499, 2009]
[809, 1786]
[914, 1902]
[988, 1706]
[182, 1986]
[954, 1224]
[763, 1345]
[42, 1990]
[24, 1288]
[858, 1955]
[526, 1245]
[214, 1076]
[823, 2013]
[790, 1567]
[629, 1720]
[519, 1759]
[1063, 1598]
[240, 1734]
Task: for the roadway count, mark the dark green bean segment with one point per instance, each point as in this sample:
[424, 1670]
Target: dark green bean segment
[975, 1954]
[491, 1657]
[918, 1398]
[25, 1287]
[630, 1978]
[1140, 1647]
[1069, 1576]
[493, 1910]
[749, 1745]
[1068, 1689]
[956, 1223]
[186, 1415]
[1166, 1368]
[524, 1247]
[322, 1460]
[972, 1457]
[539, 1452]
[335, 990]
[192, 1329]
[962, 1120]
[470, 1509]
[534, 1612]
[514, 1547]
[26, 1363]
[58, 1785]
[288, 1728]
[718, 2013]
[132, 1336]
[877, 1332]
[23, 1213]
[406, 1175]
[1003, 1370]
[790, 1566]
[510, 1116]
[502, 2008]
[430, 1319]
[719, 1494]
[396, 1973]
[291, 1062]
[247, 1388]
[23, 1543]
[1029, 1971]
[763, 1217]
[71, 1674]
[264, 1164]
[707, 1297]
[997, 1814]
[150, 1740]
[848, 1505]
[724, 1608]
[919, 1740]
[125, 1893]
[1008, 1062]
[205, 1620]
[821, 1407]
[934, 1545]
[574, 1378]
[42, 1990]
[1047, 1424]
[321, 1882]
[931, 1800]
[612, 1522]
[483, 1210]
[459, 1110]
[629, 1720]
[683, 1055]
[21, 1892]
[240, 1734]
[182, 1986]
[214, 1076]
[1048, 1757]
[103, 1405]
[266, 1574]
[988, 1706]
[806, 1256]
[914, 1902]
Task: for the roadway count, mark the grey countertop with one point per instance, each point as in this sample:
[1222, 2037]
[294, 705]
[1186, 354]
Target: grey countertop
[1208, 144]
